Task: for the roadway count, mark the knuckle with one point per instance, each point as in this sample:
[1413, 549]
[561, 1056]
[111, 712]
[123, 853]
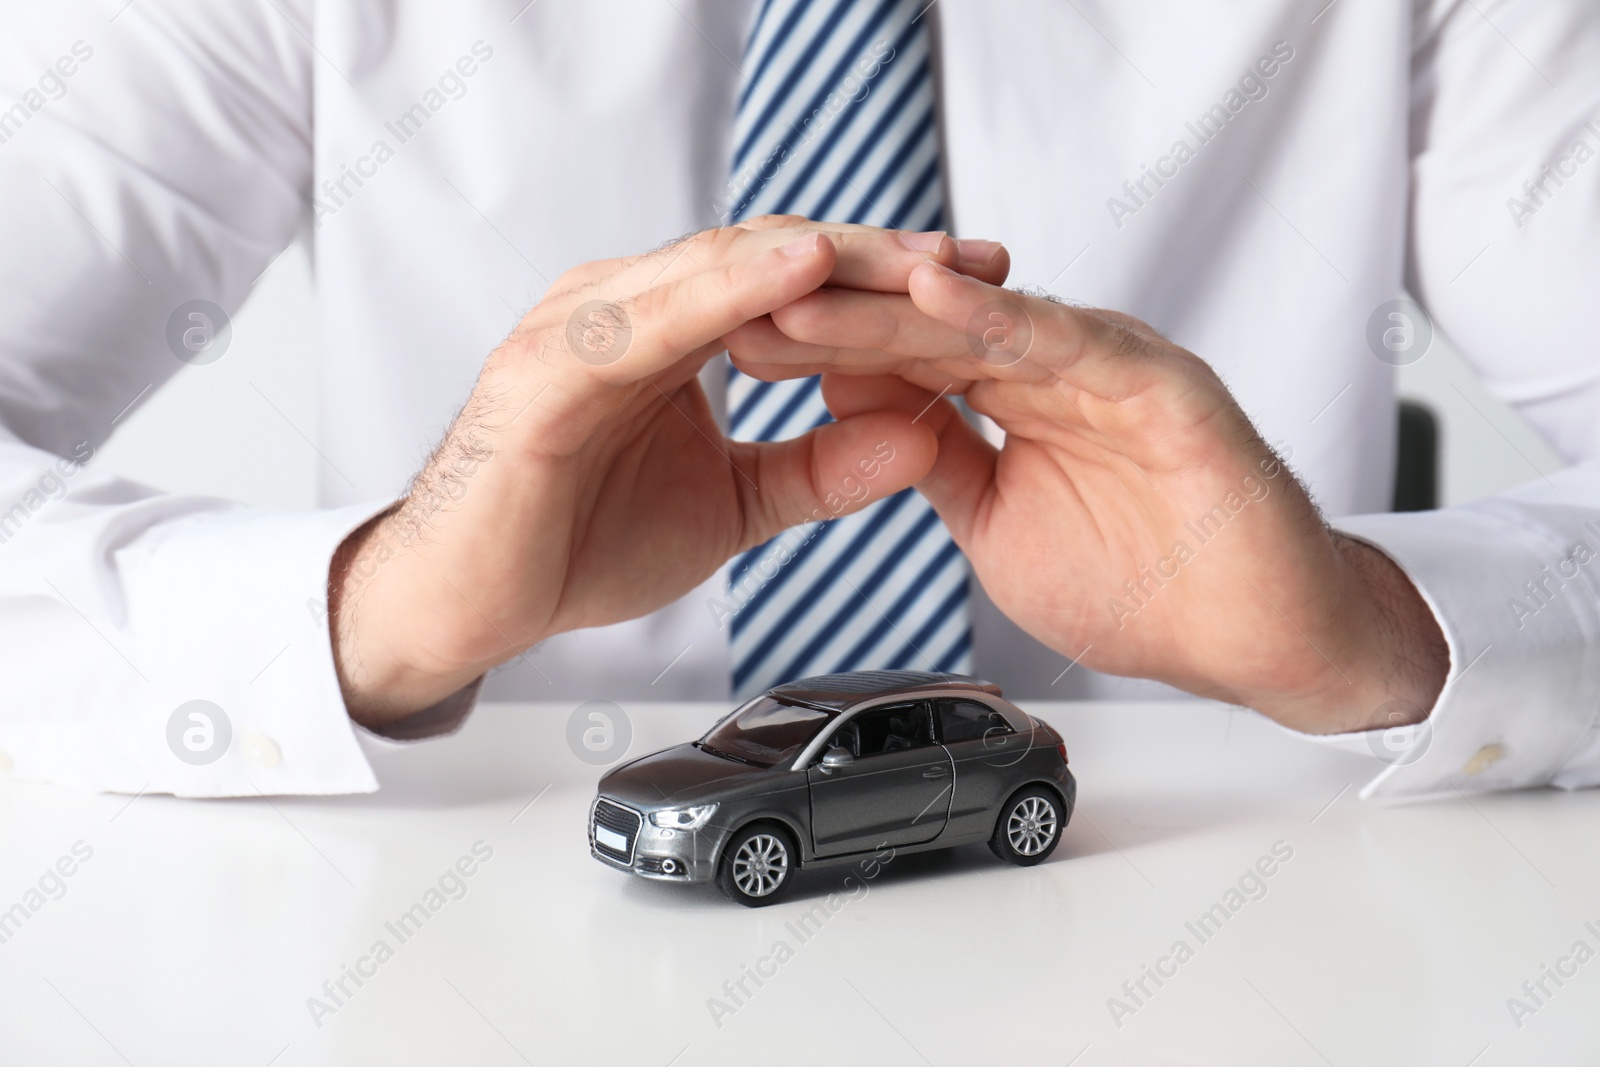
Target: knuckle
[683, 238]
[886, 328]
[685, 247]
[1107, 334]
[709, 247]
[775, 222]
[732, 287]
[1125, 343]
[803, 319]
[575, 280]
[691, 246]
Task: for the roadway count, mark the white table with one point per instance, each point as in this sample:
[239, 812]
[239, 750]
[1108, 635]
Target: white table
[198, 930]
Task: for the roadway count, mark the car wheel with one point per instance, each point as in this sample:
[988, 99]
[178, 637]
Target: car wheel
[1029, 827]
[757, 865]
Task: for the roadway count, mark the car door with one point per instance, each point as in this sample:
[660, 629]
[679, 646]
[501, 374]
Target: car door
[897, 792]
[984, 749]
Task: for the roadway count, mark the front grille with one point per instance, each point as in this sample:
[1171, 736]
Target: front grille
[620, 819]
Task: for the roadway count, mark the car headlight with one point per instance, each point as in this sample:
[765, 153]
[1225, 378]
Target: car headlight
[683, 818]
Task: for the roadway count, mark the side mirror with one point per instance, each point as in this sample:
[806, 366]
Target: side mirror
[835, 758]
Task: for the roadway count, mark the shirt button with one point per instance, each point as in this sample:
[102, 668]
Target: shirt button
[262, 750]
[1486, 757]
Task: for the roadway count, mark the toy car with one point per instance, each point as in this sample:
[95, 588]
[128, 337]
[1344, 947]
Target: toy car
[825, 769]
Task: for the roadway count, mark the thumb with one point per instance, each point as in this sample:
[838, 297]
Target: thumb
[962, 474]
[836, 469]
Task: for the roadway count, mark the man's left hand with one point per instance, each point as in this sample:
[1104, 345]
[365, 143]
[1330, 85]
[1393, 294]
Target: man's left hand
[1133, 520]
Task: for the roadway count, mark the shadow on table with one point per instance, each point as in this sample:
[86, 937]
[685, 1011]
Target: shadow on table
[1115, 824]
[818, 883]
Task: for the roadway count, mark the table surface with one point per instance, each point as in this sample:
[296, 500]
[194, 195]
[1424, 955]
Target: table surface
[202, 932]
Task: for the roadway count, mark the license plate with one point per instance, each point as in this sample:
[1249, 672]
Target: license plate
[610, 839]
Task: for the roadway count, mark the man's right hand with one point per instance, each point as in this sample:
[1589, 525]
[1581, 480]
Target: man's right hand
[586, 482]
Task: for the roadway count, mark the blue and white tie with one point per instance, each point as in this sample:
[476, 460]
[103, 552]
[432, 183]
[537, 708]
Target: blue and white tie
[836, 123]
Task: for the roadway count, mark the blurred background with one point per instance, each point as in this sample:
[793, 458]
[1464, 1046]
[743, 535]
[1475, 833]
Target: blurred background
[244, 427]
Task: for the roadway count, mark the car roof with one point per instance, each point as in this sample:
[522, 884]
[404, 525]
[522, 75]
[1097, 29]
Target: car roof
[838, 692]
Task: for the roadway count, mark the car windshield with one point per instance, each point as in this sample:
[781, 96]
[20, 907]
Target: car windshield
[765, 732]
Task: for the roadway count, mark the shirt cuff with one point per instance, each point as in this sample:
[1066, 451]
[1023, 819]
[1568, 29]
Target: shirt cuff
[223, 680]
[239, 616]
[1519, 706]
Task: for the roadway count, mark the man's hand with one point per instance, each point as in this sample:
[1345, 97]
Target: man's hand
[1134, 519]
[586, 482]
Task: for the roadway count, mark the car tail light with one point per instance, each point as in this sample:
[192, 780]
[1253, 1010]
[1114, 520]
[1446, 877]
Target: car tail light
[1062, 748]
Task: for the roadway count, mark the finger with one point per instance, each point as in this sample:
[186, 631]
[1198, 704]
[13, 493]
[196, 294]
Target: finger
[872, 332]
[879, 260]
[962, 475]
[632, 338]
[882, 260]
[848, 328]
[868, 258]
[799, 222]
[873, 258]
[851, 395]
[761, 350]
[860, 333]
[988, 261]
[1020, 337]
[837, 469]
[963, 327]
[865, 329]
[876, 260]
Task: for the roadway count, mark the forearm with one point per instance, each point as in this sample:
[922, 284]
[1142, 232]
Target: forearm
[390, 588]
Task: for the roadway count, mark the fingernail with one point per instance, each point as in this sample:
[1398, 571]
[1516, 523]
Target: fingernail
[927, 241]
[972, 251]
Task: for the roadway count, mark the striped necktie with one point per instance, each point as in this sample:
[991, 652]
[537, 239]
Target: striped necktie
[836, 123]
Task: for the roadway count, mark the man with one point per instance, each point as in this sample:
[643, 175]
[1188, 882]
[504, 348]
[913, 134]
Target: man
[1259, 186]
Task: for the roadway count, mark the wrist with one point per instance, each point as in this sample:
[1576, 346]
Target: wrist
[381, 678]
[1387, 657]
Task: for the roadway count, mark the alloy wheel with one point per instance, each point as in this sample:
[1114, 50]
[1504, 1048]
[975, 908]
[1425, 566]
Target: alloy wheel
[1031, 826]
[760, 865]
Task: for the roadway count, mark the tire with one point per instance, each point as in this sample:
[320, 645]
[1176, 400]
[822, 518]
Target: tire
[1029, 827]
[758, 865]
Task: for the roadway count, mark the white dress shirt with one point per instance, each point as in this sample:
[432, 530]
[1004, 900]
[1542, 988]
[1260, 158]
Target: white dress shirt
[1253, 179]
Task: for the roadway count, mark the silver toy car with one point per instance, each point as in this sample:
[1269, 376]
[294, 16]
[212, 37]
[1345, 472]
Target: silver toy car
[826, 769]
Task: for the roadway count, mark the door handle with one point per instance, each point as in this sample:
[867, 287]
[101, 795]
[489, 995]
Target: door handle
[935, 771]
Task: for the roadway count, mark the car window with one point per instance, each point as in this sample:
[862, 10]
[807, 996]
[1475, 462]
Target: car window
[968, 720]
[890, 729]
[765, 732]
